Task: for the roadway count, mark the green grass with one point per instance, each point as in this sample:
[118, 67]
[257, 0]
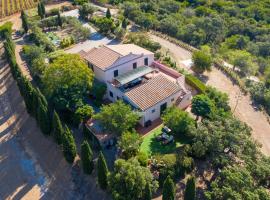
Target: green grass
[151, 146]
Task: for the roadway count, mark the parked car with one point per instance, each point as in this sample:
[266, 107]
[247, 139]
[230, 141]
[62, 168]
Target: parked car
[168, 141]
[162, 137]
[165, 129]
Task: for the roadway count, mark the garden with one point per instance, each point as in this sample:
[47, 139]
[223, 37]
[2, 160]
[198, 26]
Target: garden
[151, 146]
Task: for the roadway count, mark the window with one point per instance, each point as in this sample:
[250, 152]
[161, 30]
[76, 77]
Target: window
[117, 97]
[172, 99]
[146, 61]
[111, 94]
[115, 73]
[134, 65]
[153, 110]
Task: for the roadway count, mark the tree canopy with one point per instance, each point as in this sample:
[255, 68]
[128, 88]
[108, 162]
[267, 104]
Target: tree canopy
[66, 80]
[113, 115]
[129, 180]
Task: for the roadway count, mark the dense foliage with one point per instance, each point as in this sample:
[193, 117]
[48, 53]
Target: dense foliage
[168, 192]
[66, 81]
[87, 158]
[113, 115]
[129, 180]
[226, 26]
[102, 171]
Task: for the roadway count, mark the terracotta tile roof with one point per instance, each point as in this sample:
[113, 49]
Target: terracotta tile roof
[105, 56]
[102, 57]
[125, 49]
[150, 93]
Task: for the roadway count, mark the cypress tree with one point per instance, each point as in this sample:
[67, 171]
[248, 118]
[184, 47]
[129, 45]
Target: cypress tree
[103, 171]
[59, 19]
[168, 192]
[24, 21]
[43, 118]
[108, 13]
[148, 192]
[42, 7]
[190, 191]
[69, 146]
[39, 11]
[42, 98]
[57, 128]
[87, 158]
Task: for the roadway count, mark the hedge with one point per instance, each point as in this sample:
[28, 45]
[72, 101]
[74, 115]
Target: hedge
[196, 83]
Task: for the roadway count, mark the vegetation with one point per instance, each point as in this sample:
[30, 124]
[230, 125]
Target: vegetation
[168, 192]
[14, 6]
[151, 146]
[196, 83]
[103, 172]
[129, 180]
[129, 143]
[86, 11]
[112, 116]
[143, 40]
[202, 61]
[190, 191]
[82, 114]
[25, 23]
[57, 128]
[66, 81]
[202, 105]
[69, 146]
[179, 121]
[87, 158]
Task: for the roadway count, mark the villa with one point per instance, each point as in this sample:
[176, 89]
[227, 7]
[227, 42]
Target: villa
[131, 74]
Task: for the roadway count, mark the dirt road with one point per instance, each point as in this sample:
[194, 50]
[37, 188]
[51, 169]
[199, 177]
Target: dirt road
[242, 104]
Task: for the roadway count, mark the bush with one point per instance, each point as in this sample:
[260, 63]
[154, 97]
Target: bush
[142, 158]
[66, 42]
[196, 83]
[5, 29]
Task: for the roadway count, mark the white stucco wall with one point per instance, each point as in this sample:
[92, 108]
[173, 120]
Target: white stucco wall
[148, 115]
[126, 65]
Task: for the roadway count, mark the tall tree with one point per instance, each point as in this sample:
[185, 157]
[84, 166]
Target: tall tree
[42, 7]
[108, 13]
[103, 171]
[168, 192]
[202, 61]
[59, 19]
[24, 21]
[39, 11]
[57, 128]
[190, 191]
[43, 118]
[69, 146]
[87, 158]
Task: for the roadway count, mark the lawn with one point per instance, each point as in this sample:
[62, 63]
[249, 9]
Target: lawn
[151, 146]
